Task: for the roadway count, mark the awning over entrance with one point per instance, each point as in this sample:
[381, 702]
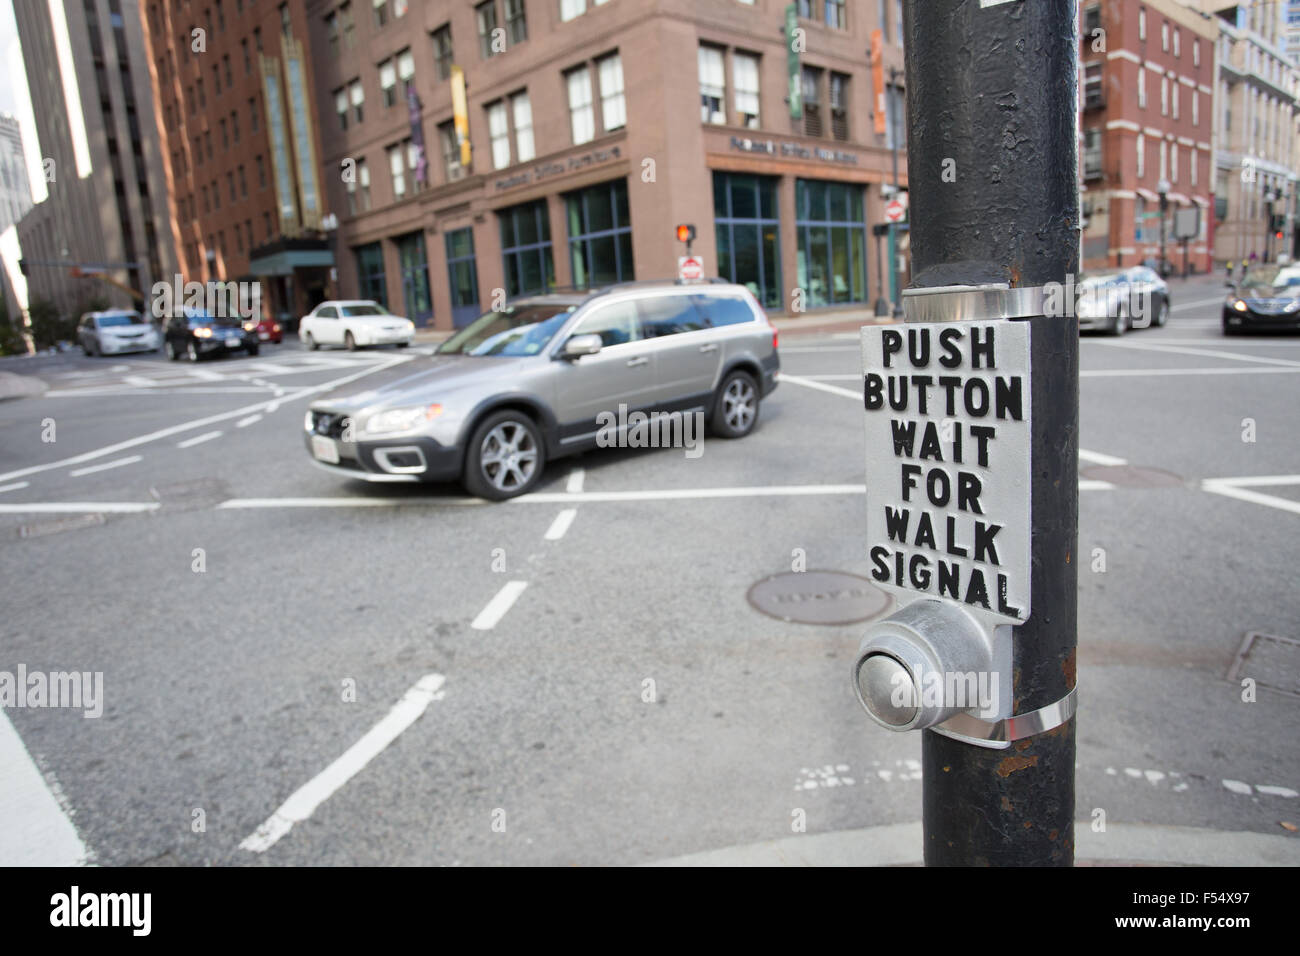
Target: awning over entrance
[1148, 195]
[283, 263]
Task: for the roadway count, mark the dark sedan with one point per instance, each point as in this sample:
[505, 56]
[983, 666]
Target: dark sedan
[1258, 303]
[197, 335]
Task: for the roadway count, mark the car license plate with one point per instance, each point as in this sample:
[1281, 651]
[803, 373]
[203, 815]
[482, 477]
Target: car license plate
[234, 343]
[264, 336]
[325, 449]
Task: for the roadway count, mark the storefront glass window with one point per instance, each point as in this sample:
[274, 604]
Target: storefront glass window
[370, 273]
[526, 248]
[600, 235]
[747, 230]
[463, 276]
[415, 277]
[832, 242]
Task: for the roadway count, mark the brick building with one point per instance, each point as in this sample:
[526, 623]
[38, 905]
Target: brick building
[595, 126]
[1146, 90]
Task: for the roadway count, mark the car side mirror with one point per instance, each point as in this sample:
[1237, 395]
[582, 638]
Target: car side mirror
[580, 345]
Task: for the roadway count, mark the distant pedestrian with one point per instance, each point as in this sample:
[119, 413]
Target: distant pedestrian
[1230, 264]
[1253, 258]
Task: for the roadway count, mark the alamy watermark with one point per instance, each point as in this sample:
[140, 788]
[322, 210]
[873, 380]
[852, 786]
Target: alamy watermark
[626, 429]
[966, 690]
[217, 299]
[80, 690]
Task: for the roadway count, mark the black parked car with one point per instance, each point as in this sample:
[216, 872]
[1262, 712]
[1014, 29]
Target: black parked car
[196, 335]
[1263, 300]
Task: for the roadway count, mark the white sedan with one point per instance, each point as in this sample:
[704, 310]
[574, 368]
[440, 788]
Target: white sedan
[353, 323]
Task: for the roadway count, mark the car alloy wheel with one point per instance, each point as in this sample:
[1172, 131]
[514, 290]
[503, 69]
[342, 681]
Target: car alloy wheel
[1121, 324]
[1162, 314]
[736, 410]
[310, 342]
[508, 457]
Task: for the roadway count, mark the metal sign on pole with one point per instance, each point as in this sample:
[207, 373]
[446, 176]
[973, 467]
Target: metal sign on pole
[972, 413]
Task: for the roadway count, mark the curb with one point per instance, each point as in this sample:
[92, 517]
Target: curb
[1123, 844]
[20, 386]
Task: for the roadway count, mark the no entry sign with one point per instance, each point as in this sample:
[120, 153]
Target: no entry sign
[948, 462]
[895, 211]
[690, 267]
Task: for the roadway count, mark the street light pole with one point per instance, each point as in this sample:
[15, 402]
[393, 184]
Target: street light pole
[1162, 188]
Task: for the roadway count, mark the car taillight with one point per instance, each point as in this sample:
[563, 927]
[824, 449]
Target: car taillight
[775, 336]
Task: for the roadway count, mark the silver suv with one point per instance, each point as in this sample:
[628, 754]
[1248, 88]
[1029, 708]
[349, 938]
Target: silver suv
[551, 375]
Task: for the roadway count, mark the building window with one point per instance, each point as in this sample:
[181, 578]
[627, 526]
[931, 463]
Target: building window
[1177, 44]
[1092, 89]
[1175, 84]
[1196, 53]
[516, 22]
[341, 106]
[613, 109]
[1092, 154]
[462, 275]
[523, 115]
[835, 16]
[450, 151]
[1091, 19]
[713, 86]
[370, 273]
[363, 181]
[397, 167]
[747, 229]
[499, 134]
[381, 12]
[812, 110]
[582, 116]
[745, 79]
[332, 32]
[261, 172]
[406, 70]
[572, 8]
[1141, 155]
[442, 54]
[526, 248]
[252, 113]
[388, 82]
[286, 25]
[1142, 23]
[1142, 87]
[832, 242]
[600, 235]
[243, 183]
[1196, 108]
[1173, 162]
[1164, 96]
[414, 263]
[234, 126]
[358, 99]
[839, 106]
[486, 14]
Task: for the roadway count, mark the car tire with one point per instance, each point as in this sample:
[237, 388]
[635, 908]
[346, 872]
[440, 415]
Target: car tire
[1227, 329]
[513, 476]
[253, 350]
[311, 343]
[1162, 314]
[1122, 324]
[402, 345]
[192, 351]
[85, 349]
[172, 354]
[735, 406]
[349, 342]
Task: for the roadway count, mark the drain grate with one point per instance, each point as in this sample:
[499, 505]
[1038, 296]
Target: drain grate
[818, 597]
[1132, 476]
[40, 529]
[1270, 661]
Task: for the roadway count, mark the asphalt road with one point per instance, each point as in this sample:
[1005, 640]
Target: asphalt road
[512, 684]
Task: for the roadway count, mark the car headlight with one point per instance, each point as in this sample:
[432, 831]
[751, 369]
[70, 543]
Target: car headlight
[410, 326]
[250, 326]
[401, 419]
[1239, 305]
[1292, 306]
[307, 423]
[203, 333]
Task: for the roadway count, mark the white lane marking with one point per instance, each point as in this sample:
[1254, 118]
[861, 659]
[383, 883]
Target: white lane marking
[561, 524]
[1088, 484]
[789, 349]
[79, 507]
[496, 608]
[113, 391]
[576, 479]
[1153, 372]
[199, 439]
[1208, 353]
[1258, 481]
[1097, 458]
[15, 486]
[819, 386]
[140, 381]
[200, 422]
[37, 831]
[238, 504]
[206, 375]
[1194, 304]
[250, 420]
[828, 378]
[129, 460]
[302, 803]
[1236, 344]
[269, 368]
[1232, 488]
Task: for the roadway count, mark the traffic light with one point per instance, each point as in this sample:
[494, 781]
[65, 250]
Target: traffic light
[685, 233]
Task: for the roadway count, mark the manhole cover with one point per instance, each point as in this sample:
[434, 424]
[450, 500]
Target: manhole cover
[818, 597]
[1132, 476]
[57, 525]
[1270, 661]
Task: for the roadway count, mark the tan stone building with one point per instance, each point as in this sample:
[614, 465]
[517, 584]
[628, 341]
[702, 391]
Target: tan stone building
[593, 128]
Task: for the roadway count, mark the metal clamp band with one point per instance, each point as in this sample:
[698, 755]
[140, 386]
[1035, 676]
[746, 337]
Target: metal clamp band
[1000, 734]
[957, 303]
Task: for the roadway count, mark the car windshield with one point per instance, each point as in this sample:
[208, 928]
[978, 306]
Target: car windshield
[351, 310]
[1100, 278]
[514, 331]
[199, 319]
[120, 318]
[1267, 283]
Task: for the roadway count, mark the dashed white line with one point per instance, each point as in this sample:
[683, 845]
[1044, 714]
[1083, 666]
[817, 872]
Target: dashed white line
[250, 420]
[80, 507]
[1097, 458]
[205, 375]
[304, 801]
[496, 609]
[561, 524]
[129, 460]
[199, 439]
[1236, 488]
[15, 486]
[576, 477]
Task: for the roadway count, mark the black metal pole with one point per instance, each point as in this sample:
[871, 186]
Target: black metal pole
[993, 89]
[893, 137]
[882, 304]
[1164, 204]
